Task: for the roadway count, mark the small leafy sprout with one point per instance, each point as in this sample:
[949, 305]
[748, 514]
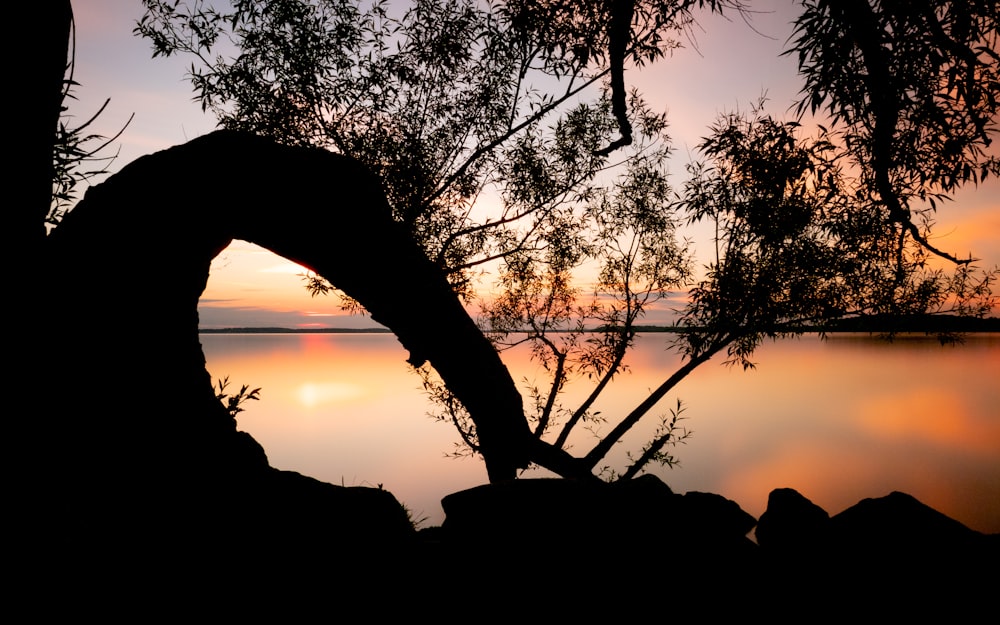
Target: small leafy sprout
[234, 403]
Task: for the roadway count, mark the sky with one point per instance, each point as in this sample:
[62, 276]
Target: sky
[727, 67]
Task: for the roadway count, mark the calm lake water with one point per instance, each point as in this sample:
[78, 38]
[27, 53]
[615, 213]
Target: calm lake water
[838, 420]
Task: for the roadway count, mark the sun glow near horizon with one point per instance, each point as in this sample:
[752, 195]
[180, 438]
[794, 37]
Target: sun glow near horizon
[250, 286]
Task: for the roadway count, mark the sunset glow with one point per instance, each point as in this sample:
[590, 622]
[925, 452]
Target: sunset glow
[839, 420]
[251, 286]
[347, 407]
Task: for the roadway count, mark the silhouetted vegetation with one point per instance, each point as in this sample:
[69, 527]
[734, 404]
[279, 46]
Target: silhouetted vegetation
[444, 101]
[925, 324]
[129, 484]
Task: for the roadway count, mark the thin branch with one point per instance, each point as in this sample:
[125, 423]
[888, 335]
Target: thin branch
[594, 394]
[489, 147]
[557, 381]
[607, 442]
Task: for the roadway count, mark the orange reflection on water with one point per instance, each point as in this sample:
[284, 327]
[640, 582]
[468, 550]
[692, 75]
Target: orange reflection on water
[832, 476]
[839, 421]
[315, 394]
[854, 417]
[936, 417]
[346, 409]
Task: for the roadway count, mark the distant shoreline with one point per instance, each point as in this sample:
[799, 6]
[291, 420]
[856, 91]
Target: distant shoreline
[374, 330]
[924, 325]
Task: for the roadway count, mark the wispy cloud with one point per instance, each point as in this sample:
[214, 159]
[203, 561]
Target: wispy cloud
[288, 267]
[216, 315]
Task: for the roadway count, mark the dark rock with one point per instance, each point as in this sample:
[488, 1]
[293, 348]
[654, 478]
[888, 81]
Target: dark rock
[525, 513]
[714, 517]
[625, 541]
[897, 524]
[898, 542]
[792, 525]
[512, 512]
[628, 521]
[891, 556]
[306, 512]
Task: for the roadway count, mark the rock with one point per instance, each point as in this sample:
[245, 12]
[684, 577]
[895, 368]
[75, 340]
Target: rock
[715, 518]
[898, 542]
[898, 524]
[891, 557]
[792, 524]
[624, 540]
[512, 512]
[306, 513]
[631, 523]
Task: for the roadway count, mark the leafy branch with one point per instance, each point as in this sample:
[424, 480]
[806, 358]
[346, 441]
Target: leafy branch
[74, 147]
[234, 403]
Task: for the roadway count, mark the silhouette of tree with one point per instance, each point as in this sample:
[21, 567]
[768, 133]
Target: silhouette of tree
[456, 101]
[450, 101]
[106, 467]
[432, 99]
[441, 101]
[124, 453]
[37, 72]
[41, 71]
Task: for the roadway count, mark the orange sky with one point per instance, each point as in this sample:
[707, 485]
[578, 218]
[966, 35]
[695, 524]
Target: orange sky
[732, 67]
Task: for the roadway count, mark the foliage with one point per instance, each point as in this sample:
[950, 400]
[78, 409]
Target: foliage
[796, 244]
[916, 89]
[575, 33]
[453, 103]
[493, 127]
[428, 98]
[668, 433]
[73, 149]
[234, 403]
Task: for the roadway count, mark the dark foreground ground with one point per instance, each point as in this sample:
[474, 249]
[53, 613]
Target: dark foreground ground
[529, 551]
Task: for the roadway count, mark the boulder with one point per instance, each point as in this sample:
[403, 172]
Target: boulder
[792, 525]
[899, 524]
[634, 523]
[889, 557]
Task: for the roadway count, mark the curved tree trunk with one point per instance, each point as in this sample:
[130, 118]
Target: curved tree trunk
[132, 260]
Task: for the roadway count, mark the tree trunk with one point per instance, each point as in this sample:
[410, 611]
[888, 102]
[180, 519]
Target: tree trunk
[37, 58]
[35, 76]
[132, 260]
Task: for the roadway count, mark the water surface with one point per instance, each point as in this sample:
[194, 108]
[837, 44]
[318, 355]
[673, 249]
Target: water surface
[839, 420]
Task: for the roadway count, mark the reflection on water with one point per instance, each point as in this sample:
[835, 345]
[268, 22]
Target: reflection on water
[838, 420]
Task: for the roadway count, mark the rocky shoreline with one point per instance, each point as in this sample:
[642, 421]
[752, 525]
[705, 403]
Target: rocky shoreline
[891, 555]
[530, 551]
